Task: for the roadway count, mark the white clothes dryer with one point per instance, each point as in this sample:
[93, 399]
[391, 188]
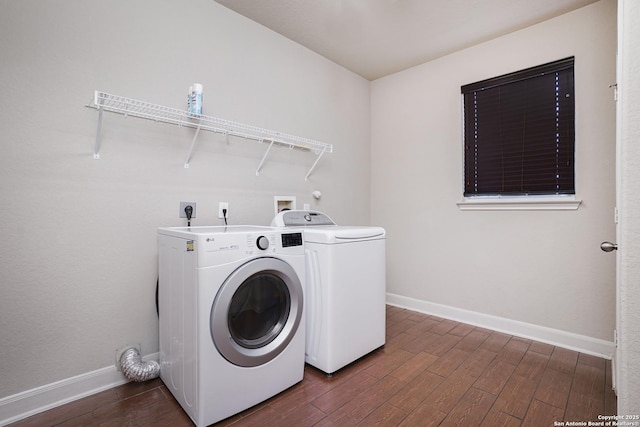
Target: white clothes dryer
[232, 329]
[345, 288]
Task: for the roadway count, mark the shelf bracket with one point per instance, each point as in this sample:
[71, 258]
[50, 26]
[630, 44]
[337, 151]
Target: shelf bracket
[306, 177]
[192, 146]
[96, 148]
[264, 158]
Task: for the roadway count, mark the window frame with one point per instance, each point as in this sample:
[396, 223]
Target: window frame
[526, 201]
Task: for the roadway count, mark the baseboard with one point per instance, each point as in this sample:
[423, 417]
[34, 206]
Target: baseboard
[576, 342]
[27, 403]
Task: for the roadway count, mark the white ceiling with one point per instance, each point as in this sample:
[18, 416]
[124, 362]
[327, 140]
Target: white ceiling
[374, 38]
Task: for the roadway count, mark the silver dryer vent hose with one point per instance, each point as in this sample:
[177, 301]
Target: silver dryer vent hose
[135, 369]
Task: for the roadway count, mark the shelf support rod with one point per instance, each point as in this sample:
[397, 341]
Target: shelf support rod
[96, 148]
[306, 178]
[264, 158]
[193, 144]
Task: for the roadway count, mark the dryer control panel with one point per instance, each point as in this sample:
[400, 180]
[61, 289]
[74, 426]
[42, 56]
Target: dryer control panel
[291, 239]
[220, 245]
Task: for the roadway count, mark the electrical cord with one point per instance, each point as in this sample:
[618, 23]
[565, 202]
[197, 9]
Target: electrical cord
[188, 210]
[224, 215]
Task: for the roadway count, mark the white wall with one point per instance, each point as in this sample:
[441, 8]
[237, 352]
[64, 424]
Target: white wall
[543, 268]
[78, 248]
[629, 244]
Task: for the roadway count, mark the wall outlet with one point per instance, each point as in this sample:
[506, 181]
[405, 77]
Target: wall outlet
[221, 206]
[184, 205]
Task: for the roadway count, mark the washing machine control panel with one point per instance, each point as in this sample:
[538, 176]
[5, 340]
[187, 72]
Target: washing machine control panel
[301, 219]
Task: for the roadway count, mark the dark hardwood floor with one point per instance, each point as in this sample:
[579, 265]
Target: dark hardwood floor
[431, 372]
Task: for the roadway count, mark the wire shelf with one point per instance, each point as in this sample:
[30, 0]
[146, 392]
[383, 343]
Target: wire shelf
[135, 108]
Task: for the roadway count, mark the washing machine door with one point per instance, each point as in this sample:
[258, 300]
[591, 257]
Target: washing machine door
[257, 312]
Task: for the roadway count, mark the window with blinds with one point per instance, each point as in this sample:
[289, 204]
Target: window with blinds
[519, 134]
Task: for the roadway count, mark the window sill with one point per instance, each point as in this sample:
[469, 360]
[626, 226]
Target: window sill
[519, 204]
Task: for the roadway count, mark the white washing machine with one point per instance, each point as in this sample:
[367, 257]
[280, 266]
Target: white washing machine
[345, 288]
[232, 330]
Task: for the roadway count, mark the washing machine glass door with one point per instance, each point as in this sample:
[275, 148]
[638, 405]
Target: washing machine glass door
[257, 311]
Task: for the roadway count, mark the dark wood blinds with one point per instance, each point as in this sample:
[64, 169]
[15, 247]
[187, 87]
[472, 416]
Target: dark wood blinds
[519, 132]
